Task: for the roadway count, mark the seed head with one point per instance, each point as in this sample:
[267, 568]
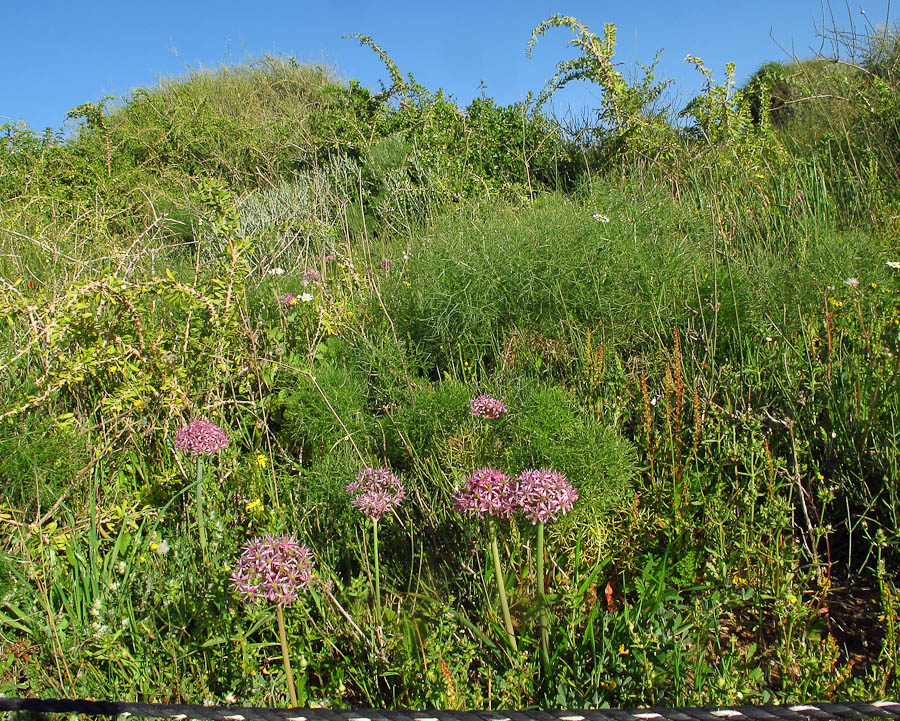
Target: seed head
[487, 492]
[487, 407]
[544, 495]
[376, 491]
[200, 437]
[273, 570]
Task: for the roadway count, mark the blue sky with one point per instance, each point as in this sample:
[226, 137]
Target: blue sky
[57, 54]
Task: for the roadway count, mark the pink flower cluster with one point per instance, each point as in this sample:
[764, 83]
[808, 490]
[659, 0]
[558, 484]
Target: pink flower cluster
[286, 300]
[376, 491]
[487, 407]
[542, 495]
[200, 437]
[273, 569]
[487, 492]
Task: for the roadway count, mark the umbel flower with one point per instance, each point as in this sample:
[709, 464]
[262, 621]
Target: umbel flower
[487, 492]
[376, 491]
[273, 570]
[487, 407]
[544, 495]
[201, 437]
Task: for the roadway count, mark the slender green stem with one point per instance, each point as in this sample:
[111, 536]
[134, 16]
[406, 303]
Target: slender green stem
[377, 577]
[201, 524]
[501, 587]
[542, 598]
[292, 692]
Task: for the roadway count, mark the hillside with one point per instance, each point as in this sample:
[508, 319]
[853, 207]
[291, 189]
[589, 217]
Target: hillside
[551, 419]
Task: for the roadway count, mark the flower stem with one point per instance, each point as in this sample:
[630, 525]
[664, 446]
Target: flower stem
[292, 692]
[377, 578]
[542, 599]
[201, 524]
[501, 587]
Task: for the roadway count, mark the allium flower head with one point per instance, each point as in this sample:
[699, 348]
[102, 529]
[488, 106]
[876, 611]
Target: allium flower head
[273, 569]
[200, 437]
[286, 300]
[544, 495]
[312, 276]
[376, 491]
[487, 407]
[486, 492]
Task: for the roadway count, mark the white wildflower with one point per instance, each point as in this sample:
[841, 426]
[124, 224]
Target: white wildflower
[601, 218]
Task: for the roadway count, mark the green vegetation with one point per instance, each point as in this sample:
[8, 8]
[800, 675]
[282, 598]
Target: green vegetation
[693, 317]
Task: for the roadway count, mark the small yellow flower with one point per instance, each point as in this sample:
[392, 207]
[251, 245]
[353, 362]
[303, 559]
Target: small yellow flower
[138, 403]
[254, 505]
[154, 546]
[261, 460]
[738, 581]
[623, 651]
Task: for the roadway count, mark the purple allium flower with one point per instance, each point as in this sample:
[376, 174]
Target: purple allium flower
[312, 276]
[286, 300]
[386, 264]
[487, 492]
[273, 569]
[376, 491]
[487, 407]
[543, 495]
[200, 437]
